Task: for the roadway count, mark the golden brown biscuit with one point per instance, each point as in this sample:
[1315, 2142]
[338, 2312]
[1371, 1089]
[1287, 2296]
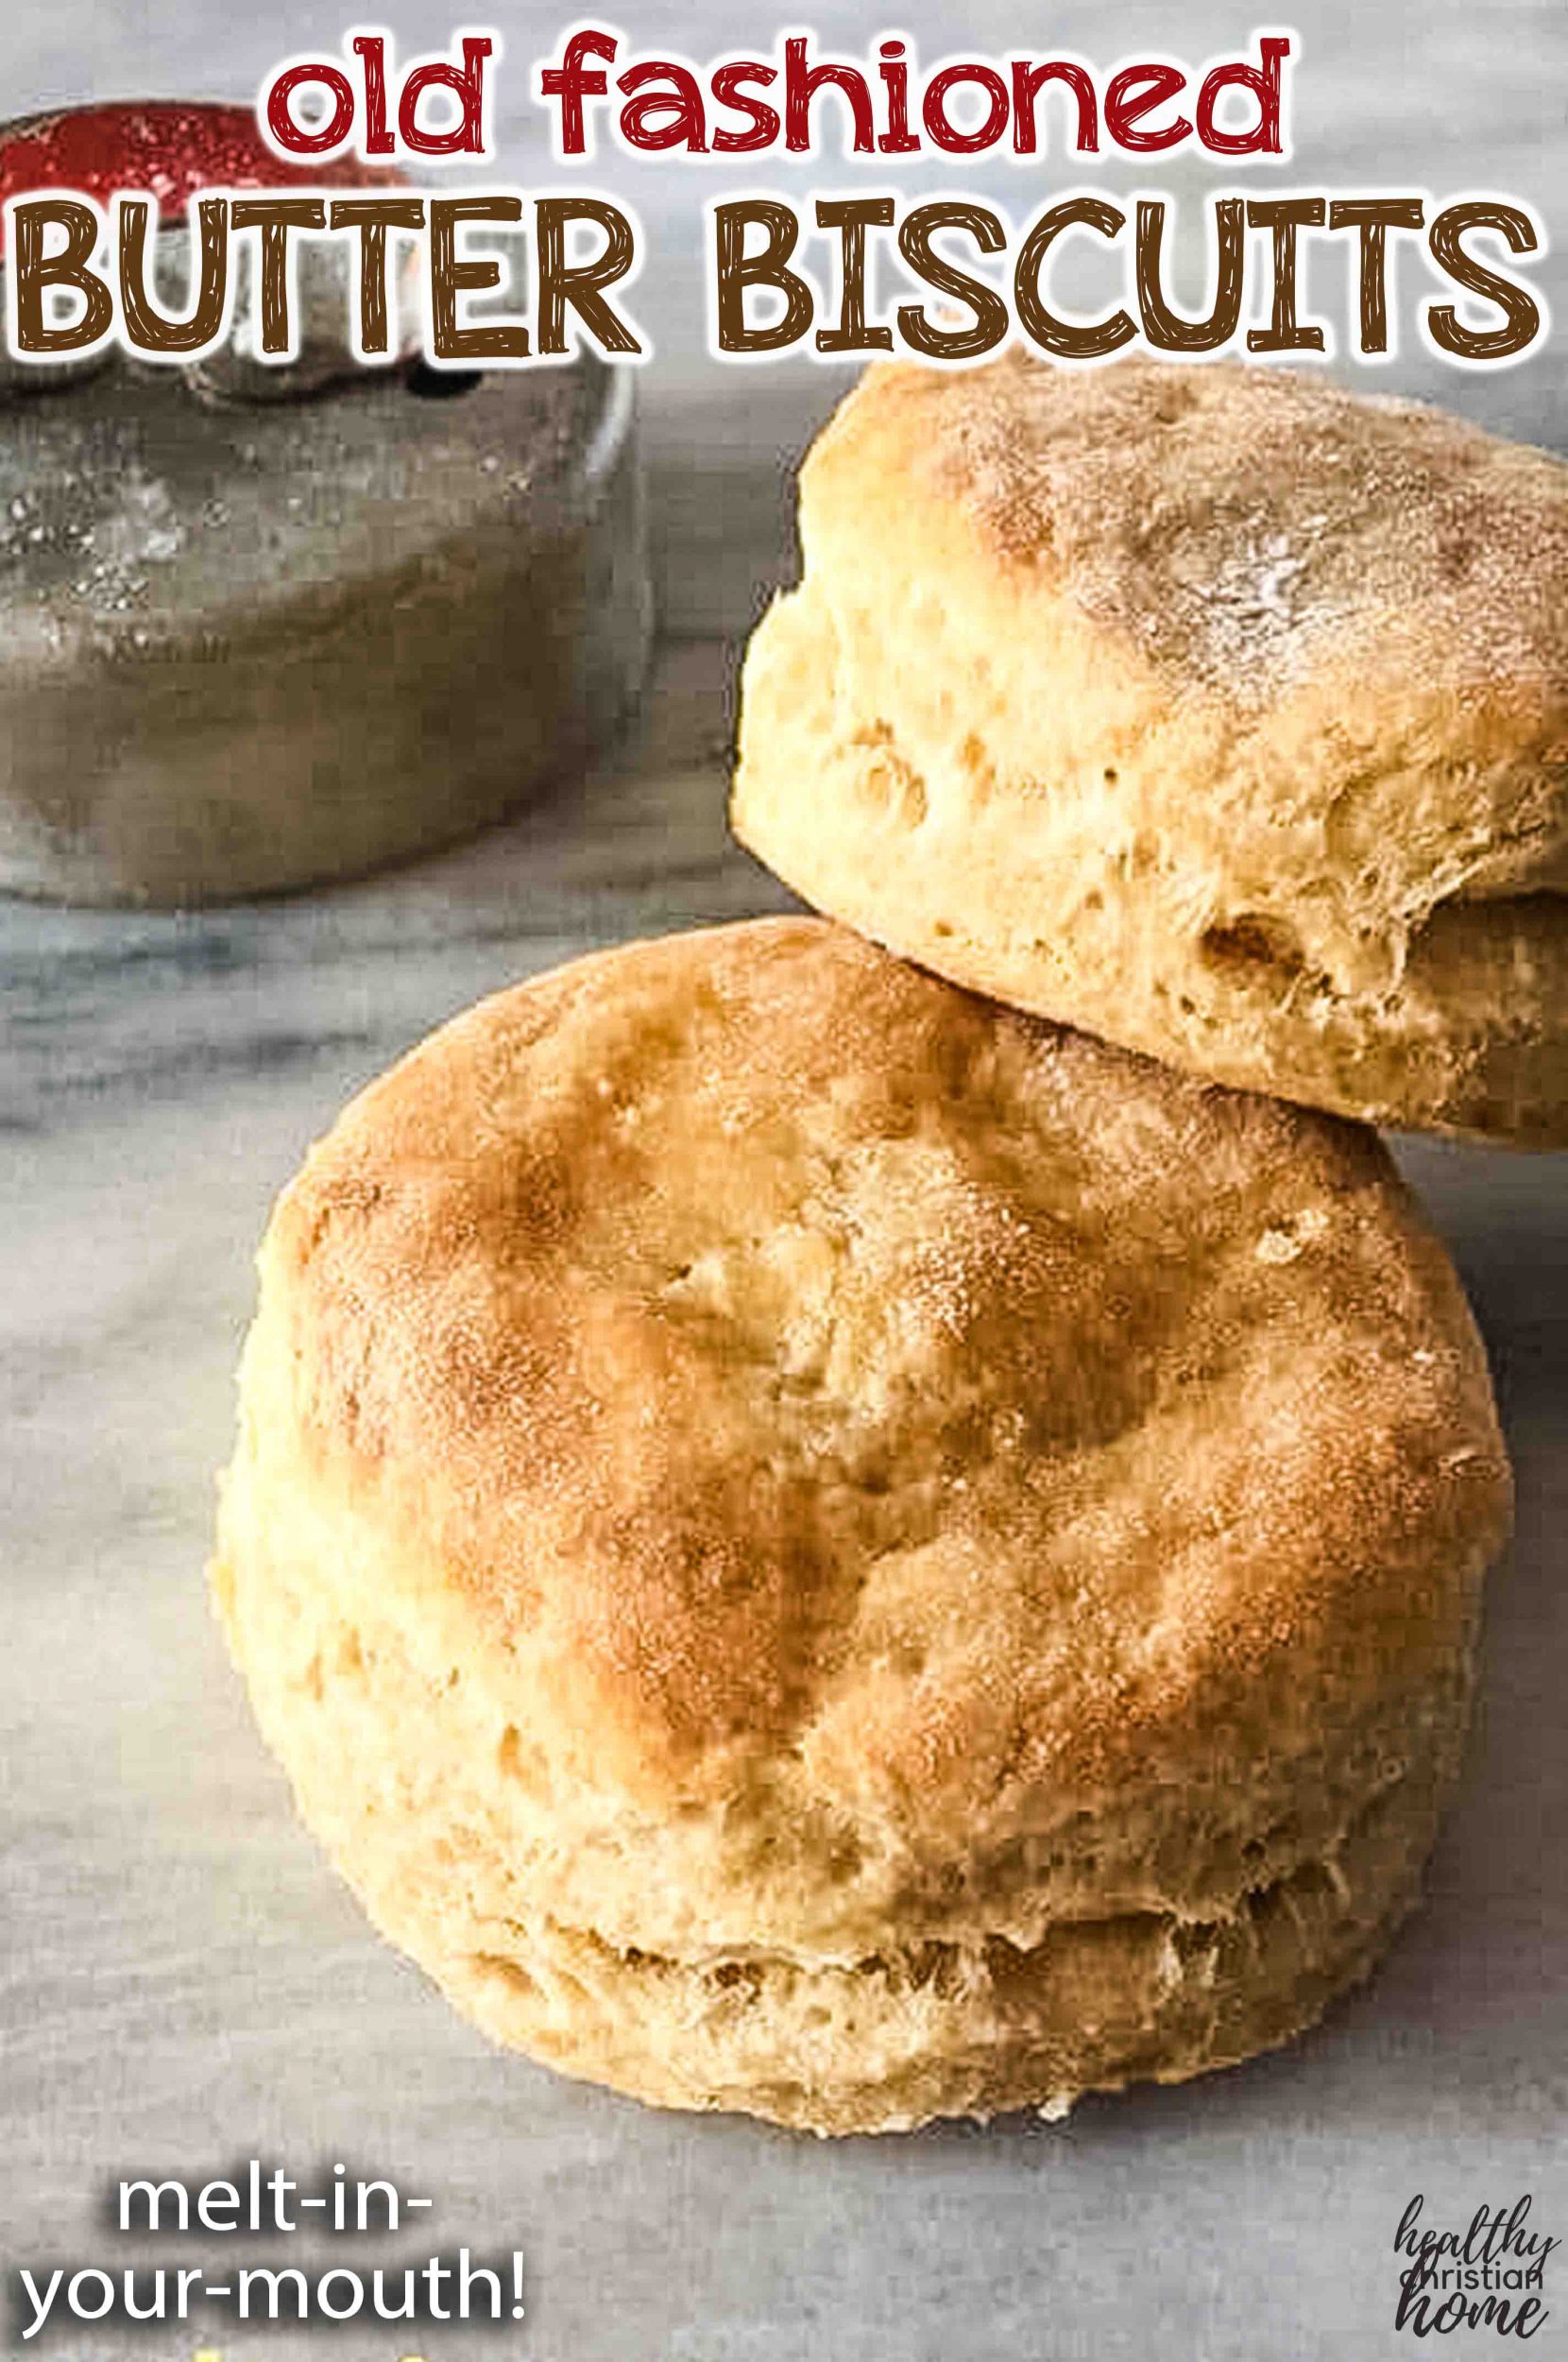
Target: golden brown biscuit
[1216, 709]
[814, 1545]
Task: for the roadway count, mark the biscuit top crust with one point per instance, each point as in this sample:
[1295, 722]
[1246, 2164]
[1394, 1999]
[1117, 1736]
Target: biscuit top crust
[779, 1366]
[1251, 544]
[1229, 519]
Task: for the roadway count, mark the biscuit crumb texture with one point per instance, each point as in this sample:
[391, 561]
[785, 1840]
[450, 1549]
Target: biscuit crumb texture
[810, 1544]
[1217, 711]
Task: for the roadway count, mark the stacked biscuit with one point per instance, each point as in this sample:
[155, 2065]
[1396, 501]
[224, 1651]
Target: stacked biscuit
[816, 1543]
[1215, 710]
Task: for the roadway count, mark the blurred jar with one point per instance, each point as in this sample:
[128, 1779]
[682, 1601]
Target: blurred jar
[262, 627]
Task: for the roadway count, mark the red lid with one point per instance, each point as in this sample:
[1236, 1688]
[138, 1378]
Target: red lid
[170, 147]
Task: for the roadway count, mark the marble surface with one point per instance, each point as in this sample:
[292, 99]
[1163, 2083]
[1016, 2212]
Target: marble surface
[186, 1983]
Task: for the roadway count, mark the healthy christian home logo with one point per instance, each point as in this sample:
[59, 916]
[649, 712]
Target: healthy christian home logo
[1488, 2276]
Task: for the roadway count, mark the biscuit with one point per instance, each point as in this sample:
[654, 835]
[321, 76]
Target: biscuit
[1216, 710]
[814, 1545]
